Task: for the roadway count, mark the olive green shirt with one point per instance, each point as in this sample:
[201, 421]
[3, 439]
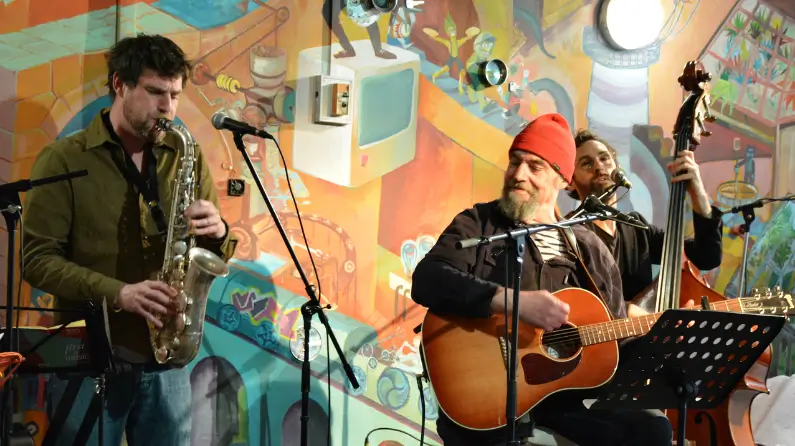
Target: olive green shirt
[87, 237]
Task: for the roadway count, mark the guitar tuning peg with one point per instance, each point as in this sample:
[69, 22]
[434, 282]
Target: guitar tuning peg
[755, 292]
[777, 289]
[766, 291]
[706, 133]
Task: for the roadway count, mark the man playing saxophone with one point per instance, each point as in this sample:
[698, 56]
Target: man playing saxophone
[101, 237]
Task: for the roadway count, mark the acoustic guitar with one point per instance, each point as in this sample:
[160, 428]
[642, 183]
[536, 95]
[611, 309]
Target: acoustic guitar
[467, 358]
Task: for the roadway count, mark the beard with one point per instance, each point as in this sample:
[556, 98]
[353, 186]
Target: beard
[598, 187]
[141, 125]
[517, 206]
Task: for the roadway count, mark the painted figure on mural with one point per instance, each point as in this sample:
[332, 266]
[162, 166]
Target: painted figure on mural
[332, 18]
[749, 173]
[93, 238]
[512, 95]
[453, 45]
[401, 23]
[471, 283]
[483, 48]
[635, 249]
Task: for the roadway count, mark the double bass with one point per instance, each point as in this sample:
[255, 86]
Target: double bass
[679, 281]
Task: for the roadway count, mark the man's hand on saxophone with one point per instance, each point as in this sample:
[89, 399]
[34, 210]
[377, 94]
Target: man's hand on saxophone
[147, 298]
[205, 219]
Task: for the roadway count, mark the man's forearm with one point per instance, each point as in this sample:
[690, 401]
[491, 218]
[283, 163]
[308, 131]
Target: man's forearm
[444, 289]
[55, 275]
[701, 205]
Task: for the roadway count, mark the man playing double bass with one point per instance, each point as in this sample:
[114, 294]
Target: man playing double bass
[471, 283]
[636, 249]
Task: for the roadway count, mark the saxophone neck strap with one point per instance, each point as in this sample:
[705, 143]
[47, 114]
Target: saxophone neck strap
[145, 182]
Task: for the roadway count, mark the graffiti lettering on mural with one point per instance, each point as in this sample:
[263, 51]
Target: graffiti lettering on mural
[262, 307]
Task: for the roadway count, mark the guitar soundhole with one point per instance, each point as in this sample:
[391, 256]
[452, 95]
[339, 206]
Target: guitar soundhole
[558, 356]
[561, 343]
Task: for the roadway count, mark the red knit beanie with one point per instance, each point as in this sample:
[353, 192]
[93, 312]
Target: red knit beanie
[549, 137]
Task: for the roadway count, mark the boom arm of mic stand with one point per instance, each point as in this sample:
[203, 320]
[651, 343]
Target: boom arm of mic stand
[308, 309]
[581, 209]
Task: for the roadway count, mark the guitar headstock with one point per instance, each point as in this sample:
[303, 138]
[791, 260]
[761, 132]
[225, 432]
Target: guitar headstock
[694, 113]
[769, 301]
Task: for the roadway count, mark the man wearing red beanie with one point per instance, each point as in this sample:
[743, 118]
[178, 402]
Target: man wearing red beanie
[471, 282]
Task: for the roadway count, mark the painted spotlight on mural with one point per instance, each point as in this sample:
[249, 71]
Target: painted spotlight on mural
[629, 25]
[297, 344]
[493, 72]
[367, 12]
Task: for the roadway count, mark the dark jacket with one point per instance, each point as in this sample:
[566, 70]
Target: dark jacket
[463, 282]
[636, 249]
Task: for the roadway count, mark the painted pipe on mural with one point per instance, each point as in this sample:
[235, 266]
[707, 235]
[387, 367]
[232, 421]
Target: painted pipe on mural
[563, 103]
[529, 22]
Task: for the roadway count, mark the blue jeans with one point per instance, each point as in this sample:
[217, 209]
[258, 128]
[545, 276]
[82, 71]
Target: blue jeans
[152, 408]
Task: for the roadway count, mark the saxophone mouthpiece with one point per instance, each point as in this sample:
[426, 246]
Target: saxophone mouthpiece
[164, 124]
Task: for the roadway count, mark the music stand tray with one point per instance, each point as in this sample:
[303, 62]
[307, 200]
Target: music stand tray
[689, 359]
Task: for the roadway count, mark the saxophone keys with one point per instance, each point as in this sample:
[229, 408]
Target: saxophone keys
[181, 302]
[180, 322]
[180, 248]
[162, 355]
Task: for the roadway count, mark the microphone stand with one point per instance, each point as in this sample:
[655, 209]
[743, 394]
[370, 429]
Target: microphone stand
[747, 210]
[11, 207]
[309, 309]
[519, 242]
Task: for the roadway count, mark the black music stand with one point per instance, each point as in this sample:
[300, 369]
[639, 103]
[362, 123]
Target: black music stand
[689, 359]
[100, 355]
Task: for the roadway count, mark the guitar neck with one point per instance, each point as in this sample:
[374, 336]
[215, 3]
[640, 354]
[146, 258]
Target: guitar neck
[618, 329]
[640, 325]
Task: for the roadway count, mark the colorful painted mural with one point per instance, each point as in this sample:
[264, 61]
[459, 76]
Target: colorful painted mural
[420, 141]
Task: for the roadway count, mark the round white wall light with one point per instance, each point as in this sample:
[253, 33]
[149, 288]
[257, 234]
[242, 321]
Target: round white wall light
[631, 24]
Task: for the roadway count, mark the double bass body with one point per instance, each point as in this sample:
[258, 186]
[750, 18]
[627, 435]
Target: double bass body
[729, 424]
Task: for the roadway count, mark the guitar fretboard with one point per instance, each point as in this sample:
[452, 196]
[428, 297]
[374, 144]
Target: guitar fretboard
[637, 326]
[614, 330]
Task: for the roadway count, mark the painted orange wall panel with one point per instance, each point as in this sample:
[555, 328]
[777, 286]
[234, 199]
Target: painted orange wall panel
[423, 196]
[34, 81]
[15, 15]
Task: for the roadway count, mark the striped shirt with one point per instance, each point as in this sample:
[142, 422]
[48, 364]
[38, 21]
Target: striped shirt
[551, 244]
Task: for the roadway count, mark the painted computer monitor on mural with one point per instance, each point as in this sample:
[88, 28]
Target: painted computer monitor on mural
[380, 134]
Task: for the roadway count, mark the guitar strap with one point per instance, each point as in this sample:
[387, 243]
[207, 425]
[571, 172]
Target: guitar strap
[571, 240]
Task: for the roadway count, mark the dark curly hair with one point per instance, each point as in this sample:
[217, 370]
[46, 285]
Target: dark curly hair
[581, 138]
[131, 56]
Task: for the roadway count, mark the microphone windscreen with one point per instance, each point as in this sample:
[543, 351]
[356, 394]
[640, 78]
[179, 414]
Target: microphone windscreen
[218, 120]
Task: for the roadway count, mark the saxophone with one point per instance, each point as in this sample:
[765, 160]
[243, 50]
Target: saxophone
[187, 268]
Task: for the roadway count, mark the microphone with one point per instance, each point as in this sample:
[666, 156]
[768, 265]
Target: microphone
[593, 205]
[620, 178]
[223, 122]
